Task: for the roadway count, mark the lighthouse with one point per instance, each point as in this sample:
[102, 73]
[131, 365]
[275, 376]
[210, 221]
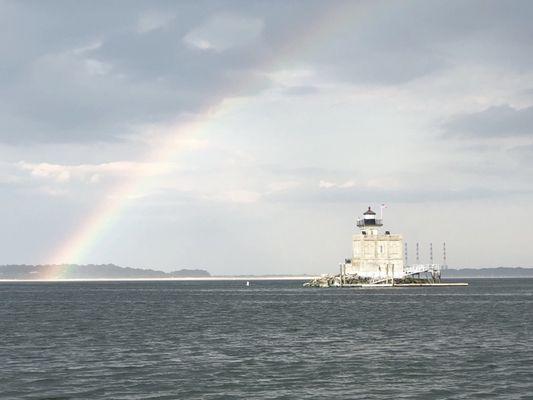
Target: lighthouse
[378, 260]
[375, 254]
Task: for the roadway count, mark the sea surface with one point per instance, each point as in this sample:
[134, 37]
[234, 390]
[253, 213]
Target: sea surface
[272, 340]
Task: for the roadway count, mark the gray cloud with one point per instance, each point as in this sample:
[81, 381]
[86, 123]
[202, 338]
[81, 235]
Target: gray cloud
[90, 72]
[404, 195]
[523, 157]
[301, 90]
[396, 43]
[498, 121]
[79, 74]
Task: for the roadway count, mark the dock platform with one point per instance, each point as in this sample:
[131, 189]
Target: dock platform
[378, 285]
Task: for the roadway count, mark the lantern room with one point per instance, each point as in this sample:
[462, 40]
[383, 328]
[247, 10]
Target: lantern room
[369, 219]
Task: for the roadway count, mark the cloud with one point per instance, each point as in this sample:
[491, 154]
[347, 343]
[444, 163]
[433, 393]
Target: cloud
[329, 185]
[301, 90]
[493, 122]
[64, 97]
[93, 173]
[523, 157]
[95, 67]
[93, 73]
[393, 44]
[97, 79]
[153, 20]
[234, 196]
[224, 31]
[87, 48]
[405, 194]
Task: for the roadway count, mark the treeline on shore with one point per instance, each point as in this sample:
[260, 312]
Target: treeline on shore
[111, 271]
[91, 271]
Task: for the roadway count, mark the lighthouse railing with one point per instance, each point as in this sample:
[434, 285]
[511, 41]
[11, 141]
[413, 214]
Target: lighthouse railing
[369, 222]
[421, 268]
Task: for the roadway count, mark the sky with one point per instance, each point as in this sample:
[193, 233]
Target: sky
[246, 137]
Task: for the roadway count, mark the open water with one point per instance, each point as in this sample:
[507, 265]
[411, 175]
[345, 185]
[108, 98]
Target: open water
[272, 340]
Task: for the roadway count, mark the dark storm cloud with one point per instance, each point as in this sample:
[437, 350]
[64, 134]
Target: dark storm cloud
[500, 121]
[90, 71]
[75, 72]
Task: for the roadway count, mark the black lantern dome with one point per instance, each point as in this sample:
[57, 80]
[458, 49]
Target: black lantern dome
[369, 219]
[369, 212]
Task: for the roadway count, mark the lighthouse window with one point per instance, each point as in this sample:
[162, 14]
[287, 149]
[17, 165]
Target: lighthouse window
[381, 249]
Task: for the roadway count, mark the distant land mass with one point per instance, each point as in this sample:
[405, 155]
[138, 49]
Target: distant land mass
[111, 271]
[499, 272]
[105, 271]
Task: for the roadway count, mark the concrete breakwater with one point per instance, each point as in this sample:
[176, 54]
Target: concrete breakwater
[336, 281]
[326, 281]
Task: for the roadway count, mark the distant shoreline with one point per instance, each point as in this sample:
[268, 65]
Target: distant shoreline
[226, 278]
[210, 278]
[115, 273]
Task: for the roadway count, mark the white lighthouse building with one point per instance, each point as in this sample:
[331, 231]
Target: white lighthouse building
[375, 255]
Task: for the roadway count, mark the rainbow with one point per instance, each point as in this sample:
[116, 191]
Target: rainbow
[79, 243]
